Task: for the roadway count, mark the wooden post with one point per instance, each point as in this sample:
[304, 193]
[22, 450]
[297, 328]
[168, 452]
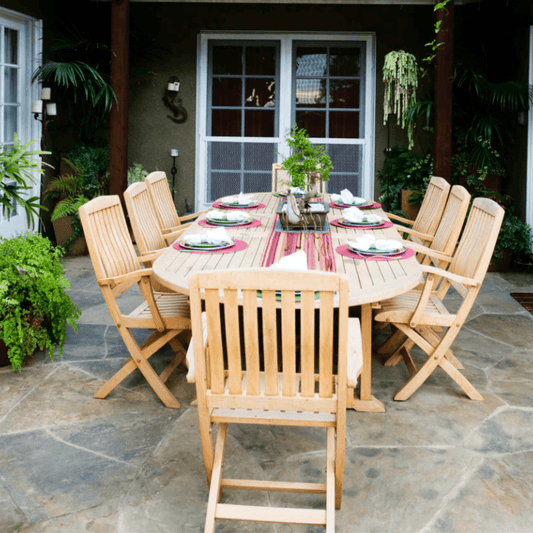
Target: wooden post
[118, 142]
[443, 94]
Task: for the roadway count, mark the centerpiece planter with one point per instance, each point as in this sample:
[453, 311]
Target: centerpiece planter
[411, 210]
[309, 220]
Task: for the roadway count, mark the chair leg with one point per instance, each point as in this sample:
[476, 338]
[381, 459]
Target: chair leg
[179, 355]
[467, 387]
[388, 346]
[216, 478]
[331, 500]
[408, 360]
[430, 334]
[397, 356]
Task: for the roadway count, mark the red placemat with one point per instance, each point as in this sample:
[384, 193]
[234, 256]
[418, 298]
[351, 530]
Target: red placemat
[385, 224]
[375, 205]
[237, 247]
[252, 224]
[346, 252]
[218, 205]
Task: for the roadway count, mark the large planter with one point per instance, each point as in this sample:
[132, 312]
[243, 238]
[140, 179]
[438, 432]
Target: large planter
[309, 220]
[63, 230]
[502, 262]
[4, 359]
[411, 210]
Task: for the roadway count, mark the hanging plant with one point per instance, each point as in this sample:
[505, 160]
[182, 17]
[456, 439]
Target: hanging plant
[400, 76]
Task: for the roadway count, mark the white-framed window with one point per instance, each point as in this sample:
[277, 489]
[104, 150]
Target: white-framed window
[252, 88]
[20, 47]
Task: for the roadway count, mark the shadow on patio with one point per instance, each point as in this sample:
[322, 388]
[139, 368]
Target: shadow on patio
[436, 463]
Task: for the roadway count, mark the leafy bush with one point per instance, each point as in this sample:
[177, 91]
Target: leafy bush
[34, 305]
[403, 169]
[136, 173]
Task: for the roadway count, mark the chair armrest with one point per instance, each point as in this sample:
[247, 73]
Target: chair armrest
[451, 276]
[116, 280]
[401, 219]
[355, 352]
[192, 215]
[175, 228]
[150, 256]
[411, 231]
[171, 237]
[428, 251]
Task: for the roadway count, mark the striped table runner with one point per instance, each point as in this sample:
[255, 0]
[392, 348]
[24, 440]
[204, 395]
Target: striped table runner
[317, 246]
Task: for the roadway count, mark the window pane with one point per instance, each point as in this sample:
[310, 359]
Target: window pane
[11, 46]
[314, 122]
[225, 156]
[226, 123]
[260, 92]
[344, 93]
[227, 92]
[227, 60]
[223, 184]
[11, 84]
[259, 123]
[10, 123]
[261, 60]
[344, 61]
[344, 124]
[311, 93]
[311, 61]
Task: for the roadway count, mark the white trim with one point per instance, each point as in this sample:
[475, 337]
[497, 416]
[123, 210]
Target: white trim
[529, 183]
[286, 40]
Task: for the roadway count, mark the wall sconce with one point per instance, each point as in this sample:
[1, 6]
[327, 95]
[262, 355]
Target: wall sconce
[179, 112]
[41, 112]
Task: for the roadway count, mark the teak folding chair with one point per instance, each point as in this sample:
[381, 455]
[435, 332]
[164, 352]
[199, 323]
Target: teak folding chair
[117, 269]
[281, 389]
[425, 225]
[165, 209]
[144, 223]
[420, 314]
[280, 178]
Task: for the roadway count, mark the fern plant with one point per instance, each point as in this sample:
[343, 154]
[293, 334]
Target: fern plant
[68, 206]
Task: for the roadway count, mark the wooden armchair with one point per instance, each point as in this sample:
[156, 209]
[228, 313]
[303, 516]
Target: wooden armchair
[144, 224]
[279, 177]
[165, 209]
[235, 387]
[117, 269]
[425, 225]
[420, 315]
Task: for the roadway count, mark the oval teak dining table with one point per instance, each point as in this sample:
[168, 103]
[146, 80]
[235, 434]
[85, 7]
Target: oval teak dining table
[370, 281]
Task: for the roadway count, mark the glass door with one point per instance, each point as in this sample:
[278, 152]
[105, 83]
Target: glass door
[251, 91]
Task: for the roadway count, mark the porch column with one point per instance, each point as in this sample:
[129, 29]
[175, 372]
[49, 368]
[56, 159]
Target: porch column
[443, 94]
[118, 142]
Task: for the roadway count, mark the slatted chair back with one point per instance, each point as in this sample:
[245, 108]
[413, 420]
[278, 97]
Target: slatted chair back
[430, 214]
[477, 243]
[162, 201]
[280, 178]
[143, 219]
[280, 389]
[108, 239]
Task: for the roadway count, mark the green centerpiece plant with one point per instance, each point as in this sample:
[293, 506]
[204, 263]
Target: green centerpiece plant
[34, 305]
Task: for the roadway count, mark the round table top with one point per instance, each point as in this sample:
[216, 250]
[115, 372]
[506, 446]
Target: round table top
[370, 281]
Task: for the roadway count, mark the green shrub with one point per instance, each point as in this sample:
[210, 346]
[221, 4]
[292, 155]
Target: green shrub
[34, 305]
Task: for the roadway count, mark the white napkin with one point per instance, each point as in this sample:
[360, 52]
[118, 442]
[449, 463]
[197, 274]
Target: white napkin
[212, 236]
[242, 199]
[216, 215]
[353, 214]
[346, 197]
[238, 216]
[295, 261]
[369, 241]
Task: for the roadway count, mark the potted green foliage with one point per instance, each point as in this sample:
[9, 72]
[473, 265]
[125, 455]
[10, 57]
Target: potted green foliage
[17, 164]
[68, 192]
[406, 176]
[34, 305]
[307, 162]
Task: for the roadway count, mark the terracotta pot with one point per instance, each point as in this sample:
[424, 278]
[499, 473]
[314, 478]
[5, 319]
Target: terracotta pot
[411, 210]
[4, 359]
[63, 230]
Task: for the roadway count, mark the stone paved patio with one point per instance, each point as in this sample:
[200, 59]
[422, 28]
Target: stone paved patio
[437, 463]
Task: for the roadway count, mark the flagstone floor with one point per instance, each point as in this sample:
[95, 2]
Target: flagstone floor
[438, 463]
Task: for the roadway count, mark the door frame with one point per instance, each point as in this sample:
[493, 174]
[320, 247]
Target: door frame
[529, 182]
[30, 129]
[286, 47]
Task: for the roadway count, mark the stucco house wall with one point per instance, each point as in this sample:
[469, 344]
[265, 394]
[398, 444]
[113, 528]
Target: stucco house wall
[175, 28]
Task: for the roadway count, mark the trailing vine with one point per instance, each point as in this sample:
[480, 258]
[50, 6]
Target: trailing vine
[400, 76]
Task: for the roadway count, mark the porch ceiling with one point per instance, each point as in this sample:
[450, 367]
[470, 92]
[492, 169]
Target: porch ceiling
[367, 2]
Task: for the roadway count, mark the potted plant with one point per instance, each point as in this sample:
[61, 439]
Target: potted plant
[307, 163]
[34, 305]
[17, 164]
[89, 178]
[404, 180]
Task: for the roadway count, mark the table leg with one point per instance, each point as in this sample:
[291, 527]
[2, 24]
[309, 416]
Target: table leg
[365, 402]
